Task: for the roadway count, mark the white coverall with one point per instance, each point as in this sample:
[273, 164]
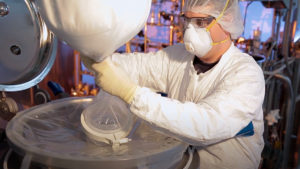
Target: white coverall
[205, 110]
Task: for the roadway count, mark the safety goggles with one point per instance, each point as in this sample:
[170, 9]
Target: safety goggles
[198, 22]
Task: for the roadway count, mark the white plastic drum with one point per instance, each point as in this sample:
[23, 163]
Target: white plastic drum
[27, 48]
[51, 135]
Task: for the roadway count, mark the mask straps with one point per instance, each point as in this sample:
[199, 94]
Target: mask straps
[215, 21]
[216, 43]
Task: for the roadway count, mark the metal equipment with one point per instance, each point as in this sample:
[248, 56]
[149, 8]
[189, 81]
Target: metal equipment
[281, 69]
[27, 50]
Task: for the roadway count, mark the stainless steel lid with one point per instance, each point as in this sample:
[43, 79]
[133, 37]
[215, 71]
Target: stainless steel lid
[51, 134]
[27, 47]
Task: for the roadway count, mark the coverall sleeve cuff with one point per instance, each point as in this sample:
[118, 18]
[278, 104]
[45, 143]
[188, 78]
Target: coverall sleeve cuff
[137, 91]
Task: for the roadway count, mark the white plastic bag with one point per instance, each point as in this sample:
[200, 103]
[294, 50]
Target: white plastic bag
[95, 28]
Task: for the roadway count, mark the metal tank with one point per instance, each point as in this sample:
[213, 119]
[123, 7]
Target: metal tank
[27, 47]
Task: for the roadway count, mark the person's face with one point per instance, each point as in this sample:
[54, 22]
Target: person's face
[216, 31]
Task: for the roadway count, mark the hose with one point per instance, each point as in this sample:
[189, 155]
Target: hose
[191, 153]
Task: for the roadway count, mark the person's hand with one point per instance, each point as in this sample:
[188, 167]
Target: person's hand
[111, 78]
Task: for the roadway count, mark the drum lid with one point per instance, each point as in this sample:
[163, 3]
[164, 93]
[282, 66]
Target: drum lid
[52, 134]
[27, 47]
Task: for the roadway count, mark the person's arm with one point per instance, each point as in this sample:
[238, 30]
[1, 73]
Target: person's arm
[122, 74]
[219, 116]
[145, 69]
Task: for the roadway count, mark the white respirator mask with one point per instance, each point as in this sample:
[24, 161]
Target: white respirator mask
[197, 41]
[197, 38]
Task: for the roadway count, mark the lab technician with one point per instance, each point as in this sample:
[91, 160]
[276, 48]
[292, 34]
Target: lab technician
[215, 92]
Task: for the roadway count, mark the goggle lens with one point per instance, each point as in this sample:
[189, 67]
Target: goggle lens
[198, 22]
